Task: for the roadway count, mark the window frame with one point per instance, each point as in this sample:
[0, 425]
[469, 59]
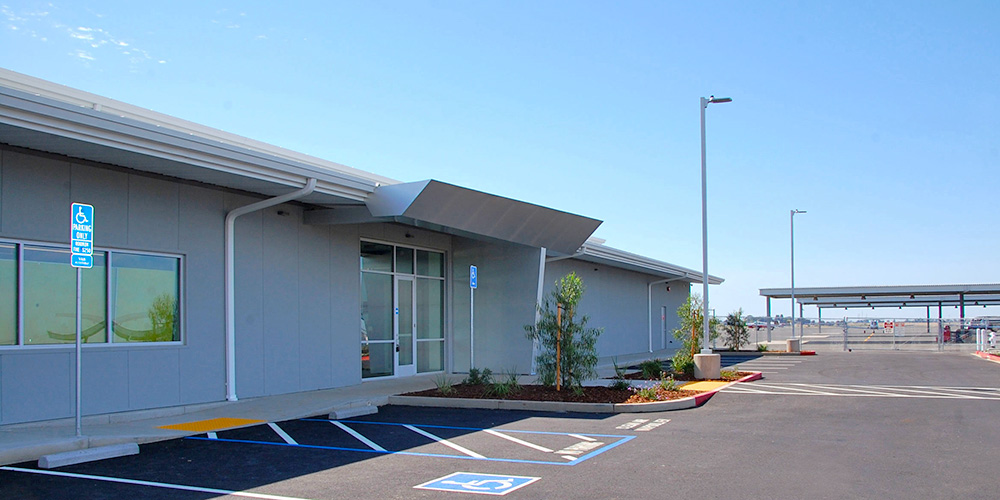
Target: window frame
[109, 259]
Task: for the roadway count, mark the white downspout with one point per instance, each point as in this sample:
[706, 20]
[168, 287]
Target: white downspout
[230, 276]
[538, 303]
[649, 307]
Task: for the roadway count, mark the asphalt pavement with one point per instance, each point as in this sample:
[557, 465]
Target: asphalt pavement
[839, 432]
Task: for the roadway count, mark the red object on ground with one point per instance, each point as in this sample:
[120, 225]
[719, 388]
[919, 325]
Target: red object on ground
[807, 353]
[947, 333]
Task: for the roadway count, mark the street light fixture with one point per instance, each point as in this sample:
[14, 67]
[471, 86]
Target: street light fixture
[792, 224]
[705, 349]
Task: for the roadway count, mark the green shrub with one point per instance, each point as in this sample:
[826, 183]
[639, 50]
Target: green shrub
[729, 374]
[648, 393]
[619, 382]
[667, 383]
[479, 377]
[506, 387]
[651, 369]
[736, 333]
[577, 343]
[444, 385]
[761, 347]
[683, 362]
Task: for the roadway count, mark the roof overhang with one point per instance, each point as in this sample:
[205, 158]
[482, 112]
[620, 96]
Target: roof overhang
[601, 254]
[465, 212]
[46, 117]
[891, 296]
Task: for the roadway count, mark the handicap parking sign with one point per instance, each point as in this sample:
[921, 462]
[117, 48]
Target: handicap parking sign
[484, 484]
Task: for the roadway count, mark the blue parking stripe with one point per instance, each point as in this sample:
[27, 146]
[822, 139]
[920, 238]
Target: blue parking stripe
[409, 453]
[620, 439]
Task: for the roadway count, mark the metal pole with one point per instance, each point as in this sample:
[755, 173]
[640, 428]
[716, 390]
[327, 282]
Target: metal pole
[472, 328]
[704, 234]
[791, 219]
[770, 322]
[819, 316]
[79, 336]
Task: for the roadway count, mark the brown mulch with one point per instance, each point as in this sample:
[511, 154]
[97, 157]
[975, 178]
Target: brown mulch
[681, 377]
[535, 393]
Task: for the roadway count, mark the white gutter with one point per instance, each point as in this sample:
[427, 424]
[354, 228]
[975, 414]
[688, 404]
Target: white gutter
[230, 275]
[649, 310]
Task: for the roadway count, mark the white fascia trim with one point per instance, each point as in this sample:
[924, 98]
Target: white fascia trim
[621, 256]
[192, 151]
[75, 97]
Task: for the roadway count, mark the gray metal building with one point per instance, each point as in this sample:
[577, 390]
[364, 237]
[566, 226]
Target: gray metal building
[226, 268]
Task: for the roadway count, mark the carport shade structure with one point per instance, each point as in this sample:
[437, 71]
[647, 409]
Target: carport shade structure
[890, 296]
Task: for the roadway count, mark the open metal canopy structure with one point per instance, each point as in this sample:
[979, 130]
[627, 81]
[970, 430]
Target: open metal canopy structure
[890, 296]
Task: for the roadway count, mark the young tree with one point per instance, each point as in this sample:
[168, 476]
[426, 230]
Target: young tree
[737, 335]
[561, 329]
[690, 333]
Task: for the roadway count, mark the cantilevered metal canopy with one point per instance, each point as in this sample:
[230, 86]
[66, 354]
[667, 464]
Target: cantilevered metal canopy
[460, 211]
[891, 296]
[598, 253]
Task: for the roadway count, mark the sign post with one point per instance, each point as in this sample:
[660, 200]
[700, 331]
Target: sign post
[473, 283]
[81, 234]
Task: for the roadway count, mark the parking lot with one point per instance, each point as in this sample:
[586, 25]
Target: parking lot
[903, 440]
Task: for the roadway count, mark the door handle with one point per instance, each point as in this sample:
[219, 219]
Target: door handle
[397, 347]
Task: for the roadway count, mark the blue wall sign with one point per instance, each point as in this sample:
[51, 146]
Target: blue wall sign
[485, 484]
[473, 277]
[81, 235]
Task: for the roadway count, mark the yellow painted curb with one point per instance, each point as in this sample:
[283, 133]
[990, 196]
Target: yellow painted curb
[212, 424]
[704, 385]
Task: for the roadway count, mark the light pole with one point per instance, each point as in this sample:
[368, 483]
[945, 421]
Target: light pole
[792, 227]
[705, 349]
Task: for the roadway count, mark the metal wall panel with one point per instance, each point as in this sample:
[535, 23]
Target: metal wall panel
[201, 238]
[153, 378]
[281, 301]
[504, 303]
[36, 197]
[153, 207]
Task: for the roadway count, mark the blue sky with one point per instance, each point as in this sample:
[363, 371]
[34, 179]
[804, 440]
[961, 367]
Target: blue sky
[881, 119]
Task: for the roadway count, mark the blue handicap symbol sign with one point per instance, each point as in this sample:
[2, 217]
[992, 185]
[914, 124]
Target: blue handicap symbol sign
[484, 484]
[473, 277]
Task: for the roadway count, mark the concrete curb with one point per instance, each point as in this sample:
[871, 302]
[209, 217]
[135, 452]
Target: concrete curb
[765, 353]
[560, 407]
[988, 357]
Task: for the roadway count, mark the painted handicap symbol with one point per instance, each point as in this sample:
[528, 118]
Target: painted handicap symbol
[483, 484]
[477, 484]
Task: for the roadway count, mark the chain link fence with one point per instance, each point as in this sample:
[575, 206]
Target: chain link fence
[846, 334]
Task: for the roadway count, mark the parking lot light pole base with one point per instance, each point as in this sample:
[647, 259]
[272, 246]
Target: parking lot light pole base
[707, 366]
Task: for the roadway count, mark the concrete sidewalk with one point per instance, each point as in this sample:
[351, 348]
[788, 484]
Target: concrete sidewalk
[26, 442]
[30, 441]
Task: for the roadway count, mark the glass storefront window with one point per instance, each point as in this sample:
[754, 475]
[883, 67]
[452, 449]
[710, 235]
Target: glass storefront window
[404, 260]
[430, 356]
[8, 294]
[50, 298]
[430, 308]
[145, 297]
[376, 307]
[430, 263]
[376, 257]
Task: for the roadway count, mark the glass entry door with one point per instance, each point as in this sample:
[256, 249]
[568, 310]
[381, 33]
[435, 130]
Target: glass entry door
[405, 326]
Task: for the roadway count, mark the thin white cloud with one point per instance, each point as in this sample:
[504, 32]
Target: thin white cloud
[93, 42]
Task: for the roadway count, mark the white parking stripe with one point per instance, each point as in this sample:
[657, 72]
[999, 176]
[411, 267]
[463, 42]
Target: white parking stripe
[444, 442]
[928, 392]
[845, 389]
[357, 435]
[793, 389]
[518, 441]
[583, 438]
[284, 435]
[212, 435]
[182, 487]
